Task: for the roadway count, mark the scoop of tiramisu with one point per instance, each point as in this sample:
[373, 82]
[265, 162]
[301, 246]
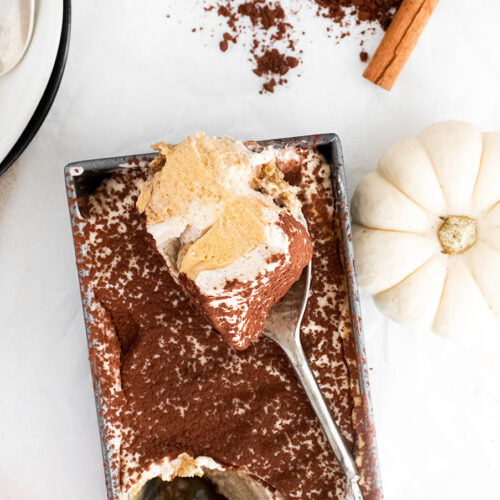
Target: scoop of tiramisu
[227, 226]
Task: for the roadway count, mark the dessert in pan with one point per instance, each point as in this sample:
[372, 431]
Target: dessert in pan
[180, 399]
[225, 222]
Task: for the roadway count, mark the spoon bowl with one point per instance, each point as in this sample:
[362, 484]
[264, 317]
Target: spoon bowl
[16, 29]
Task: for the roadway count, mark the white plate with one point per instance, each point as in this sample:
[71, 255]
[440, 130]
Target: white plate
[22, 88]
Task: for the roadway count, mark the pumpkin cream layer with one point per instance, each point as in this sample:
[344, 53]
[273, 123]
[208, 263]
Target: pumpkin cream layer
[226, 224]
[178, 401]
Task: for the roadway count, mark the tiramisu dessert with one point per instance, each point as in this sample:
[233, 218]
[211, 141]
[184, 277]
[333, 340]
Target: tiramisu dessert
[225, 221]
[178, 402]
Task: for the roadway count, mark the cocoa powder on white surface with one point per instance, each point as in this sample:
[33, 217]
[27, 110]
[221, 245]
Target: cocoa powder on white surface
[271, 29]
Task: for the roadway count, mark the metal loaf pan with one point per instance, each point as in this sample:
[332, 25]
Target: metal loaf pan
[82, 178]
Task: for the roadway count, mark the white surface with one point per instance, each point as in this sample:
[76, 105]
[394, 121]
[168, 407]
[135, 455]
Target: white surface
[22, 88]
[134, 77]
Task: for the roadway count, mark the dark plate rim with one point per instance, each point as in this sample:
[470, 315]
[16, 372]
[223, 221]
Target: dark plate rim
[48, 96]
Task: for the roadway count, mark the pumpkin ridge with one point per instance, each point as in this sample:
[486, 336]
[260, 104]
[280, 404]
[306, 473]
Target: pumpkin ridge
[440, 298]
[406, 277]
[486, 212]
[476, 281]
[435, 170]
[488, 244]
[478, 170]
[393, 230]
[406, 194]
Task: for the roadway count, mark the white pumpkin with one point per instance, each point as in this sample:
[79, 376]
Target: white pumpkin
[427, 230]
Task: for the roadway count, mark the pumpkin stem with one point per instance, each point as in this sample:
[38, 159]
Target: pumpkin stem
[457, 234]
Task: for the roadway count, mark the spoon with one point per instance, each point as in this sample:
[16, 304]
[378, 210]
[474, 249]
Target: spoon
[283, 327]
[16, 28]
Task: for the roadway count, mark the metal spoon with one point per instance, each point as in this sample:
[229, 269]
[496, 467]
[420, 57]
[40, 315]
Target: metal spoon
[283, 326]
[16, 28]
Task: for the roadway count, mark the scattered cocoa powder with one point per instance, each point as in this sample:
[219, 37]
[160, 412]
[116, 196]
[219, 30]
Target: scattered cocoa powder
[378, 11]
[273, 26]
[224, 44]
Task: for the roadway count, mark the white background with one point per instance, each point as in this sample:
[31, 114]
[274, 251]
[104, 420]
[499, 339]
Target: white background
[134, 77]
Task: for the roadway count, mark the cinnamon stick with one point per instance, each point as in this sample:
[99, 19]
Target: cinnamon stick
[399, 41]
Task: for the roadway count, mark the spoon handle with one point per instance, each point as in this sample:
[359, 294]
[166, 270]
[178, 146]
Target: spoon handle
[299, 362]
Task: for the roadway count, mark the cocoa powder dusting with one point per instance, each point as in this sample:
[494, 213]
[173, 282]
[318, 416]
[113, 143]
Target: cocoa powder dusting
[274, 28]
[171, 385]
